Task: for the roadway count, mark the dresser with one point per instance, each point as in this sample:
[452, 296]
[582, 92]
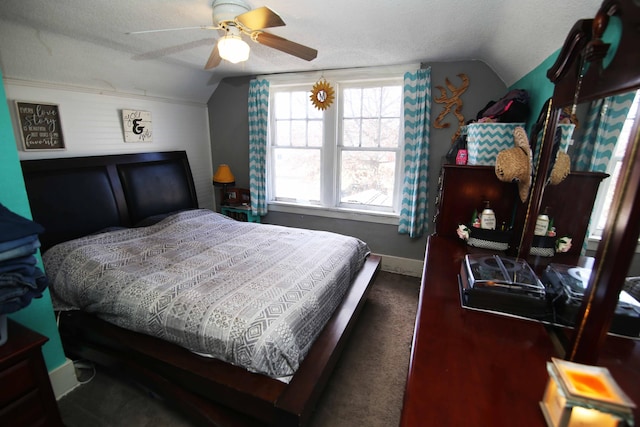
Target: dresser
[26, 396]
[477, 369]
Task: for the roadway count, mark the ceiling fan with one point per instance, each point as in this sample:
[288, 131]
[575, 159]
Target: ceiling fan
[235, 18]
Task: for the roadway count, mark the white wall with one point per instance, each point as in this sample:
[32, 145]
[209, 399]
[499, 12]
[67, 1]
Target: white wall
[91, 123]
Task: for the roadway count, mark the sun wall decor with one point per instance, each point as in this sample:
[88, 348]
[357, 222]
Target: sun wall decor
[322, 94]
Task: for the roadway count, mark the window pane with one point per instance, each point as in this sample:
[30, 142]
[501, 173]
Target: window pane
[283, 106]
[391, 101]
[609, 196]
[371, 102]
[379, 119]
[607, 189]
[370, 132]
[299, 103]
[351, 133]
[297, 174]
[283, 133]
[367, 177]
[299, 133]
[623, 138]
[352, 102]
[389, 133]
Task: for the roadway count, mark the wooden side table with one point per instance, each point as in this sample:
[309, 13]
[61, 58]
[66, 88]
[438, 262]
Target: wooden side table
[26, 395]
[240, 213]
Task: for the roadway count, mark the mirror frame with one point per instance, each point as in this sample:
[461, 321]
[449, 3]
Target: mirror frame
[584, 45]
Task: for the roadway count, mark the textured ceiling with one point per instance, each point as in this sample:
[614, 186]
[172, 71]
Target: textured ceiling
[84, 42]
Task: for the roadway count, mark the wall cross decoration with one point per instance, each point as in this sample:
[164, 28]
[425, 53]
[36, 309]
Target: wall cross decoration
[450, 102]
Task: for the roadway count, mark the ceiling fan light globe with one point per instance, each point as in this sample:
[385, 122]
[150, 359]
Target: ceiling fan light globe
[233, 49]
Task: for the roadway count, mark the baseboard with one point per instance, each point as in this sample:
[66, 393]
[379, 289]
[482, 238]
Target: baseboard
[63, 379]
[406, 266]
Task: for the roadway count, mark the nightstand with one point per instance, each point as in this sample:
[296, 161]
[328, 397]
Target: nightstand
[26, 396]
[240, 213]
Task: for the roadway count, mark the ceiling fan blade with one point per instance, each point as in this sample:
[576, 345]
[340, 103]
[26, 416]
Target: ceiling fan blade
[260, 18]
[201, 27]
[170, 50]
[214, 58]
[285, 45]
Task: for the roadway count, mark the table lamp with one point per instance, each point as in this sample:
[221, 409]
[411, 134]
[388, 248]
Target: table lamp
[584, 395]
[223, 178]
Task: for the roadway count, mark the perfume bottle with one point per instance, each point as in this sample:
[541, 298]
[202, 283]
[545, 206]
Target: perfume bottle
[488, 217]
[542, 223]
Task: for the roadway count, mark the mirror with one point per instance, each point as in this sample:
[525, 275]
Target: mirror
[595, 140]
[568, 221]
[589, 69]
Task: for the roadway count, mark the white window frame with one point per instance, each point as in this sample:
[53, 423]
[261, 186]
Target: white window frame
[607, 187]
[332, 125]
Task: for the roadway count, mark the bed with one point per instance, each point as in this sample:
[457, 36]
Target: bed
[93, 204]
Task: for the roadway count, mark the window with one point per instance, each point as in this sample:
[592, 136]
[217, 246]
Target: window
[607, 188]
[347, 157]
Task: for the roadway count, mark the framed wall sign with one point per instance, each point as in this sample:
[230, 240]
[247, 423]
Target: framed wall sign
[40, 126]
[136, 125]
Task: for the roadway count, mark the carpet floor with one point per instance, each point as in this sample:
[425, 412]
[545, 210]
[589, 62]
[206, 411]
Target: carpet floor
[365, 389]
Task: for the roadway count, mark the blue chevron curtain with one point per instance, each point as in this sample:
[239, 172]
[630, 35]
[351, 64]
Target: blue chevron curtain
[604, 122]
[605, 119]
[417, 116]
[258, 124]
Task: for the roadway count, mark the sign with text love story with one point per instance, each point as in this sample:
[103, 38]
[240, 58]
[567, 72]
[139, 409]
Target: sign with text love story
[136, 125]
[40, 126]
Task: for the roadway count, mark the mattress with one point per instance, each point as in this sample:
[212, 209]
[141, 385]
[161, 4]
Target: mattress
[254, 295]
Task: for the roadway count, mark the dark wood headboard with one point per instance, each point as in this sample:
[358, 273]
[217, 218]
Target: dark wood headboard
[76, 196]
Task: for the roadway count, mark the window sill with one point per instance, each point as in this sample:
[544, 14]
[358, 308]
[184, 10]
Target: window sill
[350, 214]
[594, 241]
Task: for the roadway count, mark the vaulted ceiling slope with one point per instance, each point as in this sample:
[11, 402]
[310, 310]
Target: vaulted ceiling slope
[85, 42]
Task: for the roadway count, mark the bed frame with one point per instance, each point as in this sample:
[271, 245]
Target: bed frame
[73, 197]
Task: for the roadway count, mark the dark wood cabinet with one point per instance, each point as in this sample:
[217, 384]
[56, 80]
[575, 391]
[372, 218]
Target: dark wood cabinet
[463, 189]
[570, 204]
[26, 396]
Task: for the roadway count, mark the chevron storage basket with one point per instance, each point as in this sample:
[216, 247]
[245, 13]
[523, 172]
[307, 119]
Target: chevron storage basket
[486, 140]
[566, 132]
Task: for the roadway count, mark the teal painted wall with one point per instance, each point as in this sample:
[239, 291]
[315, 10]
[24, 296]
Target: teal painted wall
[539, 87]
[39, 314]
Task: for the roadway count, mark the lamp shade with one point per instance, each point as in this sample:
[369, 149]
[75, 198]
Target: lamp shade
[223, 176]
[232, 48]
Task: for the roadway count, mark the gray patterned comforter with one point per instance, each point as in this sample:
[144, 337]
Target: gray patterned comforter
[254, 295]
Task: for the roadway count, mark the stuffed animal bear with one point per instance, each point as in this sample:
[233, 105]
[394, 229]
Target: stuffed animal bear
[514, 164]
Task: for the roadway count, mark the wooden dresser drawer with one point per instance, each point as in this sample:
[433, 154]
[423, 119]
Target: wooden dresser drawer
[26, 411]
[16, 381]
[26, 395]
